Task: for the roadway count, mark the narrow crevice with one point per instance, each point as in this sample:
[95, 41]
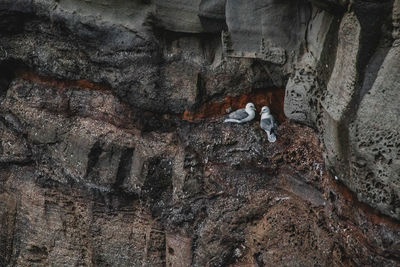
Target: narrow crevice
[201, 92]
[370, 56]
[124, 167]
[93, 157]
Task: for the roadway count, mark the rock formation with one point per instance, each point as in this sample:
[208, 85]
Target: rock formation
[113, 151]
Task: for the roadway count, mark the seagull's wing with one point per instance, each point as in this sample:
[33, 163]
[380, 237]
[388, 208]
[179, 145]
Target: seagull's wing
[239, 114]
[268, 123]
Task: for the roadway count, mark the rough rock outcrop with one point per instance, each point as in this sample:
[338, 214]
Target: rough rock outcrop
[113, 150]
[349, 98]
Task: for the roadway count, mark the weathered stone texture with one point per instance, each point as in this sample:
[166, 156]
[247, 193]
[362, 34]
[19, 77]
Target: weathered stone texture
[113, 151]
[336, 95]
[375, 138]
[303, 89]
[281, 24]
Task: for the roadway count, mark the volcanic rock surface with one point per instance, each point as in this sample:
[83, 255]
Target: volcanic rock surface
[113, 150]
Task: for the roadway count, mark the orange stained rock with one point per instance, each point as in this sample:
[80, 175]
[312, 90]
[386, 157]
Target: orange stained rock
[60, 84]
[273, 98]
[372, 214]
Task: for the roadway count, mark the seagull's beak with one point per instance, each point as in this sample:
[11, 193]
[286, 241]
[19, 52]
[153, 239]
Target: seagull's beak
[260, 112]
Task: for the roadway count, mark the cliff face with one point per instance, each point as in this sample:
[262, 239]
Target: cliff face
[113, 150]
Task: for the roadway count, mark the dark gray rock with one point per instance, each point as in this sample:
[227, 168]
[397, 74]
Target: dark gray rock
[272, 29]
[333, 6]
[178, 15]
[113, 150]
[304, 88]
[212, 15]
[375, 141]
[13, 147]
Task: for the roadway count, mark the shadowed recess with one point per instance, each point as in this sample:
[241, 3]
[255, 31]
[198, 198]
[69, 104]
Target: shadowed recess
[273, 98]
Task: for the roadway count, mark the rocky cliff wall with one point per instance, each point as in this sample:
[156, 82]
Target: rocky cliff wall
[113, 150]
[348, 97]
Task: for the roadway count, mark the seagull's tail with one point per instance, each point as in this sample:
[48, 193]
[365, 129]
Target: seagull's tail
[232, 120]
[271, 137]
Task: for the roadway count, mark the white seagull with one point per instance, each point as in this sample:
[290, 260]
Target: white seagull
[242, 115]
[268, 124]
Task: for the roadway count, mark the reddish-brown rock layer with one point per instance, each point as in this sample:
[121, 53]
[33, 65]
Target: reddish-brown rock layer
[82, 84]
[273, 98]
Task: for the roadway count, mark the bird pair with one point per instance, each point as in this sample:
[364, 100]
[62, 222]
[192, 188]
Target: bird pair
[267, 121]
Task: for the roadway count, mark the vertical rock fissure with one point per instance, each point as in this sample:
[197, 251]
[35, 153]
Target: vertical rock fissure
[93, 157]
[124, 167]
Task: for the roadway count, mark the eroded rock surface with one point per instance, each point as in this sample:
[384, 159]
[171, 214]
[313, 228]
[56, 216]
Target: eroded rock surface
[113, 151]
[349, 98]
